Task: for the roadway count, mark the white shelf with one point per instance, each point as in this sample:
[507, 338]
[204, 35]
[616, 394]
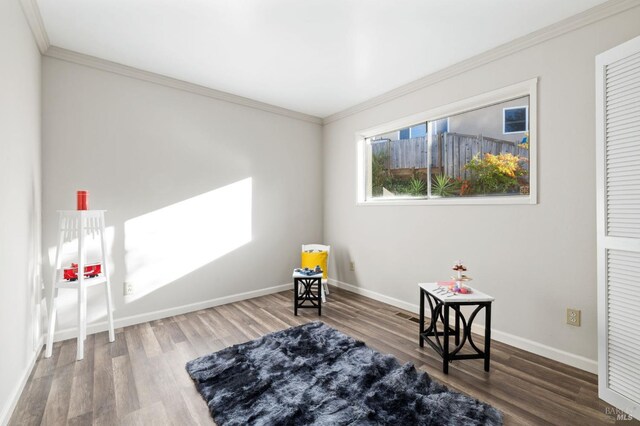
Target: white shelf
[74, 225]
[88, 282]
[82, 212]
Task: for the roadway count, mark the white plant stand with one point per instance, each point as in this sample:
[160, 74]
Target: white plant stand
[79, 224]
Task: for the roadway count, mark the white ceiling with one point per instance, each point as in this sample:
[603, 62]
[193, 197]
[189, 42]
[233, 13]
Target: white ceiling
[313, 56]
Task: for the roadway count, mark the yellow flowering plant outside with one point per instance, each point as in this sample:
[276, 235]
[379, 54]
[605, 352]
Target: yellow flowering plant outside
[495, 173]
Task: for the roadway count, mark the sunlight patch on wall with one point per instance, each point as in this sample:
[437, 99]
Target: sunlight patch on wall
[167, 244]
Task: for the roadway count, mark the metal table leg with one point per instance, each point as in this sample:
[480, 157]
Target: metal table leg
[487, 336]
[445, 343]
[422, 295]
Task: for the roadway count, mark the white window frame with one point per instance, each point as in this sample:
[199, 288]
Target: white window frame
[363, 153]
[504, 121]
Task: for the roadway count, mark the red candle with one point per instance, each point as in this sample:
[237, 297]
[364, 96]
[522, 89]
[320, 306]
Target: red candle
[83, 200]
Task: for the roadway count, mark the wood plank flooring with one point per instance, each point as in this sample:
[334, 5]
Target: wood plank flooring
[140, 379]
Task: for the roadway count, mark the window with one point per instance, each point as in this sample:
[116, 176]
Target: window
[515, 120]
[413, 132]
[440, 126]
[472, 152]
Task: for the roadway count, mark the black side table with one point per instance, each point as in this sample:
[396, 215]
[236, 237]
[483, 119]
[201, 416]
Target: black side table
[304, 292]
[440, 302]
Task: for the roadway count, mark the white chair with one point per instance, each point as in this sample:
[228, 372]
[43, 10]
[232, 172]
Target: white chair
[325, 283]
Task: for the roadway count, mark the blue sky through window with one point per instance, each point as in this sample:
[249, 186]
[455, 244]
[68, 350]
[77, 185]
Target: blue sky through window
[414, 132]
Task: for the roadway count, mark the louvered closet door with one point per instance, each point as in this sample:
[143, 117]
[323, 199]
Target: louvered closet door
[618, 187]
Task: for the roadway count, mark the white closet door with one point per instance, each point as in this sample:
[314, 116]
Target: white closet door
[618, 201]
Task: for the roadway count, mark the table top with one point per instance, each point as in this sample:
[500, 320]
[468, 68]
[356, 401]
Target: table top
[77, 213]
[441, 293]
[299, 275]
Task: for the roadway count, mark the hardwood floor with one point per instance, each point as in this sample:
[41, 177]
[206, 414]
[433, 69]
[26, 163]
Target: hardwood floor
[140, 379]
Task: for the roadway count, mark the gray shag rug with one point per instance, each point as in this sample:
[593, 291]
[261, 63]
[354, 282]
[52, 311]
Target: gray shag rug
[314, 374]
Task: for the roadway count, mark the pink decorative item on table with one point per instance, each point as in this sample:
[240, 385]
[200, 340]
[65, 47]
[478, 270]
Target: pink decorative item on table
[457, 286]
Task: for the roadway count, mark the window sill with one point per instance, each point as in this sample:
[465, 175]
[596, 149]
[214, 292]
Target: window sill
[511, 199]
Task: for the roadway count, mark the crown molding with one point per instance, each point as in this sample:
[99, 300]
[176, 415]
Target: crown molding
[589, 16]
[595, 14]
[32, 13]
[127, 71]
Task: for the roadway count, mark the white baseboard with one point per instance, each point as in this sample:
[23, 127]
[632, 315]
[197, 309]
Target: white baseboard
[574, 360]
[537, 348]
[376, 296]
[70, 333]
[7, 410]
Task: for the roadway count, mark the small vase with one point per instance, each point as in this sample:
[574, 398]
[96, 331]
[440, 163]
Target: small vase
[82, 198]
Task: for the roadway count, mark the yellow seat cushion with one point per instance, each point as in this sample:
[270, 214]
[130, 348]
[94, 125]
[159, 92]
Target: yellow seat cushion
[312, 259]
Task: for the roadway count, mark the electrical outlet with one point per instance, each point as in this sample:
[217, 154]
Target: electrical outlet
[128, 289]
[573, 317]
[352, 265]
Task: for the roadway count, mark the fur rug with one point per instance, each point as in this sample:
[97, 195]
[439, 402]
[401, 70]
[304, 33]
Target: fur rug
[313, 374]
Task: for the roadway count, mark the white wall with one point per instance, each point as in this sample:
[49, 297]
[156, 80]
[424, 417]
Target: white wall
[20, 195]
[138, 147]
[537, 260]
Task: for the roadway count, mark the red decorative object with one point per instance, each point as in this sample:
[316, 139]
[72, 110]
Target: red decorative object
[90, 271]
[83, 200]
